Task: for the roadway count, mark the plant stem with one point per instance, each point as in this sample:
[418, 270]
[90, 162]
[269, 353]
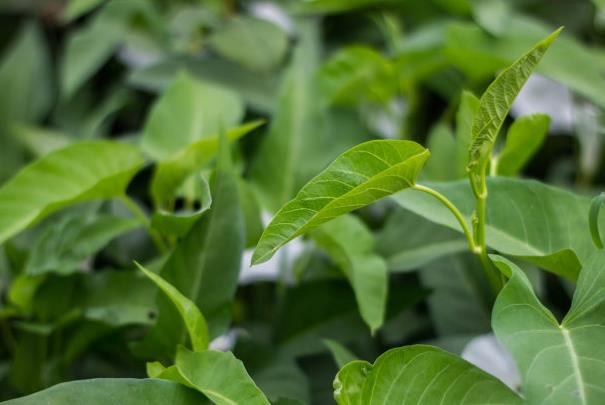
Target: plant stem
[454, 210]
[134, 208]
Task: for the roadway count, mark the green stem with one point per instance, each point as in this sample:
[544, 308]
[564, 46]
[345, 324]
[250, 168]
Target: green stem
[454, 210]
[134, 208]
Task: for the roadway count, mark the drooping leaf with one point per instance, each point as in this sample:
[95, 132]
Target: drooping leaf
[189, 110]
[25, 78]
[215, 242]
[350, 244]
[219, 376]
[494, 106]
[64, 245]
[191, 316]
[559, 362]
[523, 220]
[80, 172]
[172, 171]
[99, 391]
[254, 43]
[523, 139]
[358, 177]
[420, 375]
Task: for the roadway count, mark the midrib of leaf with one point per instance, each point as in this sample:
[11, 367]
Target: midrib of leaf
[574, 363]
[348, 194]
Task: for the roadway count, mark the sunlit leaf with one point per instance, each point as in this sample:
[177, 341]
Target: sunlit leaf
[358, 177]
[80, 172]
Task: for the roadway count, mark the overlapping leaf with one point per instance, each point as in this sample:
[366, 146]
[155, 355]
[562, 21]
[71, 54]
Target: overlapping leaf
[560, 363]
[358, 177]
[418, 375]
[80, 172]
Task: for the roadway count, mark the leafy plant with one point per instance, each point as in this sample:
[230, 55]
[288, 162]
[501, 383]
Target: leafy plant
[145, 145]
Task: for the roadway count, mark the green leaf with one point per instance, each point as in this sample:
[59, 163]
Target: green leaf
[523, 220]
[358, 73]
[523, 140]
[358, 177]
[469, 106]
[25, 77]
[593, 220]
[341, 354]
[190, 313]
[442, 145]
[350, 244]
[219, 376]
[494, 105]
[420, 375]
[64, 246]
[77, 173]
[100, 391]
[189, 110]
[215, 241]
[172, 171]
[254, 43]
[77, 8]
[559, 362]
[408, 241]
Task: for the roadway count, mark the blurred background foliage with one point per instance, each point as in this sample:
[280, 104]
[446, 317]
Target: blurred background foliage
[307, 80]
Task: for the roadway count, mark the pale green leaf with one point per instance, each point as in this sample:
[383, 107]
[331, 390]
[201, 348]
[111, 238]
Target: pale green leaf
[101, 391]
[560, 363]
[80, 172]
[358, 177]
[524, 219]
[219, 376]
[350, 244]
[172, 171]
[254, 43]
[442, 145]
[494, 106]
[190, 313]
[469, 105]
[188, 110]
[523, 140]
[419, 375]
[341, 354]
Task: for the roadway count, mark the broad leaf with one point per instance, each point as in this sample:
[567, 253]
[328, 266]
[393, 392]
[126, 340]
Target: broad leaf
[65, 245]
[254, 43]
[494, 106]
[219, 376]
[350, 244]
[419, 375]
[101, 391]
[559, 362]
[188, 111]
[523, 220]
[80, 172]
[358, 177]
[215, 241]
[190, 314]
[172, 171]
[523, 139]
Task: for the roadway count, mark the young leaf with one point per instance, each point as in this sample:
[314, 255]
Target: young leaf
[348, 241]
[188, 111]
[469, 105]
[539, 233]
[523, 139]
[419, 375]
[559, 363]
[358, 177]
[190, 313]
[493, 109]
[126, 391]
[80, 172]
[172, 171]
[215, 241]
[219, 376]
